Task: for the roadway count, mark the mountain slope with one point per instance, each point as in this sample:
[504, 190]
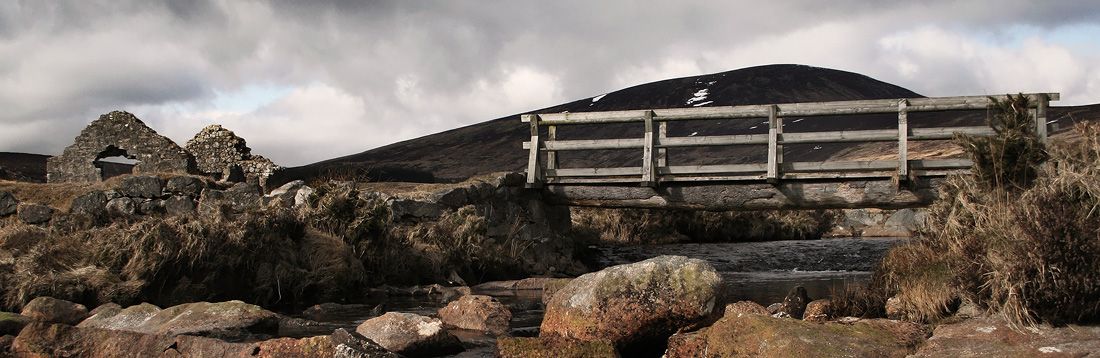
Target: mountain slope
[496, 145]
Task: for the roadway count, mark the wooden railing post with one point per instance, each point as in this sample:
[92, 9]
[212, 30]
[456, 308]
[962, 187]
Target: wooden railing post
[903, 140]
[534, 170]
[775, 149]
[551, 155]
[649, 171]
[662, 153]
[1041, 117]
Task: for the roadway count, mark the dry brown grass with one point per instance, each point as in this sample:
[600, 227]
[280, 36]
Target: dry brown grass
[650, 226]
[1023, 244]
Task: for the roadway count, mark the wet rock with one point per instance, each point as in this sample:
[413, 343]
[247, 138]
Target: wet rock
[410, 334]
[635, 306]
[57, 340]
[794, 304]
[184, 185]
[93, 203]
[766, 336]
[179, 205]
[8, 204]
[122, 206]
[745, 307]
[477, 312]
[141, 186]
[32, 213]
[52, 310]
[992, 337]
[350, 344]
[550, 347]
[818, 311]
[227, 320]
[11, 323]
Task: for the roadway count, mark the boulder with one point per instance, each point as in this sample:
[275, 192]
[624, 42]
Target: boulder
[227, 320]
[239, 198]
[409, 209]
[993, 337]
[52, 310]
[122, 206]
[895, 309]
[350, 344]
[549, 347]
[794, 304]
[6, 341]
[185, 185]
[11, 323]
[93, 203]
[818, 311]
[178, 205]
[284, 195]
[753, 335]
[141, 186]
[8, 204]
[745, 307]
[57, 340]
[477, 312]
[151, 207]
[32, 213]
[410, 334]
[301, 198]
[635, 306]
[552, 287]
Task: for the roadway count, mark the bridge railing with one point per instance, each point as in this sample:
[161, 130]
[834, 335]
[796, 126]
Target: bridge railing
[654, 142]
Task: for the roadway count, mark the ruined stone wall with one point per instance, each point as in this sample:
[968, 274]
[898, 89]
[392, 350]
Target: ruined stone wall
[219, 152]
[113, 134]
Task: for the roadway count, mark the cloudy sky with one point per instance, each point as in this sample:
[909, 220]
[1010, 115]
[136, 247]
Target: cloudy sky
[307, 81]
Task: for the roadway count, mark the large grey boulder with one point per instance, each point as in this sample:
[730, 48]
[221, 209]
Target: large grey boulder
[32, 213]
[185, 185]
[179, 205]
[227, 320]
[141, 186]
[93, 203]
[284, 195]
[239, 198]
[634, 305]
[410, 334]
[123, 206]
[8, 204]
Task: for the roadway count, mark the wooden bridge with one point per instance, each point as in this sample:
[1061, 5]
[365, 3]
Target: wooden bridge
[780, 183]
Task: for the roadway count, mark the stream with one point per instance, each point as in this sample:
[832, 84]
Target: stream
[762, 272]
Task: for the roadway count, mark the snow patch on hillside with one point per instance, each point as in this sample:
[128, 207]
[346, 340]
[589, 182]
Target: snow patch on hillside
[699, 96]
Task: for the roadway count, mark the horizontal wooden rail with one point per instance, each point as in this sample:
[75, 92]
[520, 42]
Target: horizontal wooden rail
[655, 142]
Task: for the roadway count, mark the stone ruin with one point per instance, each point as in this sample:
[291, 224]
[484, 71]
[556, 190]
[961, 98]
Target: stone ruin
[117, 134]
[214, 151]
[222, 154]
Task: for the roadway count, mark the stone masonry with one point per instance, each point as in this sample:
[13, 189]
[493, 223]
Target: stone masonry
[218, 152]
[113, 134]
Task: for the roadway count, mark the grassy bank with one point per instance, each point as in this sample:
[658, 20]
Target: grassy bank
[1019, 237]
[330, 250]
[651, 226]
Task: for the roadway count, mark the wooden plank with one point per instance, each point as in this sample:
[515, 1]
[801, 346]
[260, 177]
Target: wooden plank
[718, 140]
[551, 155]
[950, 163]
[773, 143]
[941, 133]
[596, 172]
[850, 175]
[1041, 118]
[590, 144]
[534, 172]
[714, 169]
[673, 178]
[838, 166]
[590, 180]
[649, 172]
[903, 144]
[662, 153]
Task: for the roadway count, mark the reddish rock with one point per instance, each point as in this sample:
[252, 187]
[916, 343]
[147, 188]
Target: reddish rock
[477, 312]
[765, 336]
[549, 288]
[745, 307]
[52, 310]
[635, 306]
[818, 311]
[993, 337]
[548, 347]
[410, 334]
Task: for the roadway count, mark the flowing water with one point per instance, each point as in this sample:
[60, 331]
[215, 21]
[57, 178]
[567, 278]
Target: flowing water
[762, 272]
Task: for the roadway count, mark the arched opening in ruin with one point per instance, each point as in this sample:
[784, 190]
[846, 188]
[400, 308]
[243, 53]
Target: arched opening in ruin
[114, 161]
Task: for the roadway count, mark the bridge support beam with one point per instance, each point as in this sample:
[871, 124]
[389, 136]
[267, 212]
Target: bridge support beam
[882, 193]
